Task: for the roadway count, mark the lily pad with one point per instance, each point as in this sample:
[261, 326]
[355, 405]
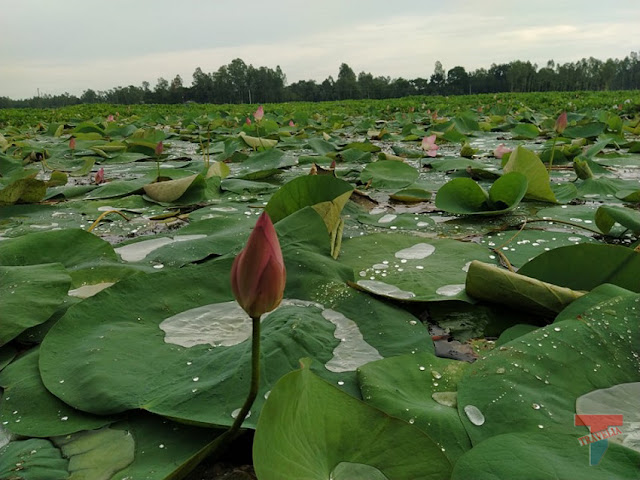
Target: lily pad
[308, 428]
[389, 174]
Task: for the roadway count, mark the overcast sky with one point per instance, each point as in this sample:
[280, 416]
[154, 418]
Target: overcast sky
[73, 45]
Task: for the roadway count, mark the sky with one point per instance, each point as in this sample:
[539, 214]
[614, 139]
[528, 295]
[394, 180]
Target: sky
[73, 45]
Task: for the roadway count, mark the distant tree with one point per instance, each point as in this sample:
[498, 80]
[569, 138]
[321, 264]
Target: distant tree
[201, 87]
[89, 96]
[176, 90]
[457, 81]
[347, 84]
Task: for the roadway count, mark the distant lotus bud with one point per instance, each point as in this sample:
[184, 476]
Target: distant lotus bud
[291, 124]
[561, 122]
[159, 148]
[72, 143]
[258, 274]
[501, 150]
[99, 178]
[259, 113]
[110, 118]
[248, 121]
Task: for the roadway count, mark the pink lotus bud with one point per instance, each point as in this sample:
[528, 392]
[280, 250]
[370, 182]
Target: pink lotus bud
[561, 122]
[159, 148]
[72, 143]
[501, 150]
[429, 145]
[258, 274]
[248, 121]
[99, 178]
[333, 165]
[110, 118]
[259, 113]
[291, 124]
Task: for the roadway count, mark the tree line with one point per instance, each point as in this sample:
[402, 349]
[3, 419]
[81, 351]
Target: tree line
[238, 82]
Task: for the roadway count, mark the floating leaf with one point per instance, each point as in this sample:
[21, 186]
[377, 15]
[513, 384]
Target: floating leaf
[308, 428]
[607, 216]
[526, 162]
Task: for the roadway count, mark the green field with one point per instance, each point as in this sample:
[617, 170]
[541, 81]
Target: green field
[448, 308]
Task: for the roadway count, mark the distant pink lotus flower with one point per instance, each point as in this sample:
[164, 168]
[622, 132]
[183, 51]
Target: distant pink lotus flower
[159, 148]
[501, 150]
[291, 124]
[561, 122]
[248, 121]
[429, 145]
[110, 118]
[259, 113]
[99, 178]
[72, 143]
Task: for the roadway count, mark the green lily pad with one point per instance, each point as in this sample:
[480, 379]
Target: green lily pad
[585, 266]
[526, 162]
[29, 295]
[524, 385]
[607, 216]
[309, 428]
[97, 453]
[389, 174]
[32, 459]
[29, 409]
[406, 267]
[540, 456]
[421, 390]
[170, 190]
[464, 196]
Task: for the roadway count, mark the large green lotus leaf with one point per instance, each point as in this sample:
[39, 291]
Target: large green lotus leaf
[622, 400]
[191, 345]
[119, 188]
[521, 246]
[461, 196]
[23, 190]
[258, 142]
[419, 389]
[411, 194]
[74, 248]
[389, 174]
[307, 191]
[163, 447]
[526, 162]
[170, 190]
[452, 164]
[531, 383]
[397, 221]
[32, 459]
[196, 241]
[588, 130]
[607, 216]
[585, 266]
[29, 295]
[246, 187]
[541, 456]
[526, 131]
[308, 428]
[406, 267]
[263, 165]
[28, 408]
[97, 454]
[464, 196]
[321, 147]
[604, 189]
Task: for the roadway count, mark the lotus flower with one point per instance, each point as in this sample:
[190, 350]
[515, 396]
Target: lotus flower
[99, 178]
[258, 275]
[110, 118]
[159, 148]
[501, 150]
[291, 124]
[248, 121]
[561, 122]
[72, 143]
[429, 145]
[259, 113]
